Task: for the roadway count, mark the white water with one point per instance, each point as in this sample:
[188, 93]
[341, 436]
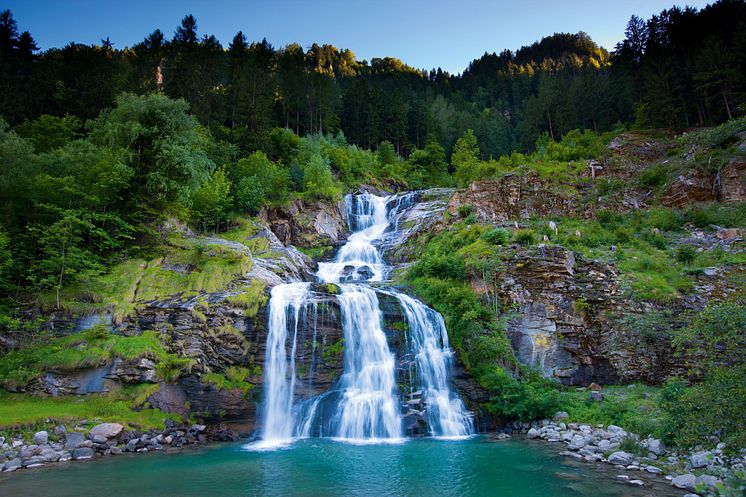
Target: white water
[368, 408]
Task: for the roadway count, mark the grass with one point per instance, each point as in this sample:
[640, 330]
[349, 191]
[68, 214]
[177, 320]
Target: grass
[21, 410]
[90, 348]
[234, 377]
[250, 298]
[188, 267]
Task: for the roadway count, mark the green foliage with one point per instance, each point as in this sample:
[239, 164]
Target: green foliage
[19, 410]
[733, 486]
[719, 136]
[497, 236]
[211, 202]
[712, 410]
[524, 237]
[48, 133]
[653, 177]
[685, 254]
[318, 180]
[90, 348]
[465, 159]
[272, 179]
[251, 298]
[524, 400]
[234, 377]
[332, 353]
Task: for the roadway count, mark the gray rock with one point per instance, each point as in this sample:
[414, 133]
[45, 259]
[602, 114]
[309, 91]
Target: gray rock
[687, 481]
[106, 430]
[653, 469]
[636, 483]
[700, 459]
[12, 465]
[41, 437]
[621, 457]
[708, 480]
[83, 453]
[577, 443]
[199, 428]
[691, 495]
[533, 433]
[74, 439]
[131, 445]
[560, 415]
[99, 439]
[60, 430]
[656, 447]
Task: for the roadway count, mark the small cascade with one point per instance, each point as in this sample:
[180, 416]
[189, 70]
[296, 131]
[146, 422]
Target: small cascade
[428, 340]
[364, 406]
[368, 408]
[285, 307]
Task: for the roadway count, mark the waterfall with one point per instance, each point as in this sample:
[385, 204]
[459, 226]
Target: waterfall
[368, 407]
[445, 412]
[365, 403]
[285, 306]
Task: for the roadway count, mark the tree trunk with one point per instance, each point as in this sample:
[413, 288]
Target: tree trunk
[727, 105]
[551, 131]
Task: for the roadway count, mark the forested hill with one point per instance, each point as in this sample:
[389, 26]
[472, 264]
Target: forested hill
[678, 69]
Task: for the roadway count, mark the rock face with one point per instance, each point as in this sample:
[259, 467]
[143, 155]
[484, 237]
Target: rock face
[728, 185]
[733, 181]
[553, 330]
[513, 197]
[307, 224]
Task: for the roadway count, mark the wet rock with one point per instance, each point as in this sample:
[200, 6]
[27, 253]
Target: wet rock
[12, 465]
[83, 453]
[621, 457]
[533, 433]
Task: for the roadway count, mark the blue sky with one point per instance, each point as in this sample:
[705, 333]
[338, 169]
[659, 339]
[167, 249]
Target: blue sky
[423, 33]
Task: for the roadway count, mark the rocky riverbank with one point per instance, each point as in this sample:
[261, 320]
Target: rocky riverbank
[106, 439]
[638, 459]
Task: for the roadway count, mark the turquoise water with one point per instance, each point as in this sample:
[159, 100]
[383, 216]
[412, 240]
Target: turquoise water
[423, 467]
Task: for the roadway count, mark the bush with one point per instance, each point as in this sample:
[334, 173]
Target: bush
[466, 210]
[653, 177]
[497, 236]
[524, 237]
[685, 254]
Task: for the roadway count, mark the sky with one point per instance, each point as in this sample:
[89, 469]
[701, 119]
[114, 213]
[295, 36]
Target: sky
[422, 33]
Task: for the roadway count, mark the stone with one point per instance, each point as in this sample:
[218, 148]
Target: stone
[708, 480]
[615, 429]
[622, 477]
[653, 469]
[41, 437]
[73, 440]
[621, 457]
[12, 465]
[131, 445]
[686, 482]
[577, 443]
[99, 439]
[60, 430]
[656, 447]
[533, 433]
[700, 459]
[83, 453]
[106, 430]
[636, 483]
[560, 415]
[728, 234]
[596, 396]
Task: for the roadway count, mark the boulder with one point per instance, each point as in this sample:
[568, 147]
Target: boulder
[74, 439]
[560, 415]
[621, 457]
[708, 480]
[656, 447]
[83, 453]
[533, 433]
[700, 459]
[106, 430]
[41, 437]
[686, 482]
[12, 465]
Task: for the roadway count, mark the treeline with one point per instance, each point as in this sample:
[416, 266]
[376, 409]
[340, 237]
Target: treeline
[680, 68]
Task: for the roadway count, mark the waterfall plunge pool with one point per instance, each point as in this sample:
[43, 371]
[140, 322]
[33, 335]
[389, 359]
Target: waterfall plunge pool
[316, 467]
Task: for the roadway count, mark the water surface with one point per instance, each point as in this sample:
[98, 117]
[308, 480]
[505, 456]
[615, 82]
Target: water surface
[311, 467]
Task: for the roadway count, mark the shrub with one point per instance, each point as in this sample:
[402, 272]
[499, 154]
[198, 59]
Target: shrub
[685, 254]
[653, 177]
[524, 237]
[497, 236]
[466, 210]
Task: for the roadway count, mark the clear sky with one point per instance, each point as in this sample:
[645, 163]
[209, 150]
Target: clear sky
[423, 33]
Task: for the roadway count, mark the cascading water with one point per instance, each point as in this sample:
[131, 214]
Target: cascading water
[366, 405]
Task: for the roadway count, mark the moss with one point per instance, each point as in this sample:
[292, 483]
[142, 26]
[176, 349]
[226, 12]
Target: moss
[331, 288]
[235, 377]
[332, 353]
[317, 253]
[85, 349]
[21, 410]
[251, 297]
